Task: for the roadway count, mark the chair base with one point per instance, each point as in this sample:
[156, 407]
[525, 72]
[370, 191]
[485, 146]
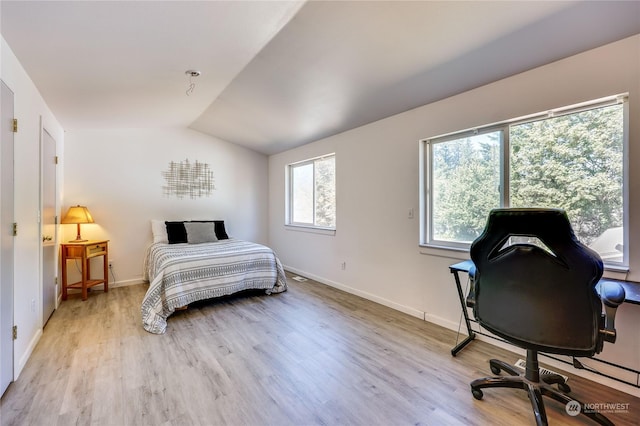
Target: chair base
[536, 386]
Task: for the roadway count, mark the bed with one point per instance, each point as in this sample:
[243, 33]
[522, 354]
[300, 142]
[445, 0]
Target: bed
[184, 272]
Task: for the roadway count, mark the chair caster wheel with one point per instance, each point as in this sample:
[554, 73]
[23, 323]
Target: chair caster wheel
[563, 387]
[477, 394]
[495, 370]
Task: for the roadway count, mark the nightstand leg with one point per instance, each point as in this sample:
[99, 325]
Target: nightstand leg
[64, 277]
[105, 265]
[86, 273]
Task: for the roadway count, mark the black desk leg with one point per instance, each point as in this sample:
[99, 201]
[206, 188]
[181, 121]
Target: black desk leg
[471, 333]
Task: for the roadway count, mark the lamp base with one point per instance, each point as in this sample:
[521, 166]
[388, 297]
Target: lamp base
[78, 237]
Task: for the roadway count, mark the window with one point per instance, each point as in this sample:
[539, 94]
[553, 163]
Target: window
[312, 193]
[571, 158]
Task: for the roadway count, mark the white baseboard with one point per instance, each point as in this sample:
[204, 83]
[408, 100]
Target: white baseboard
[25, 356]
[125, 283]
[365, 295]
[442, 322]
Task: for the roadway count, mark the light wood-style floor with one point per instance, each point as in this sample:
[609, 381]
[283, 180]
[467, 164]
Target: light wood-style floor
[311, 356]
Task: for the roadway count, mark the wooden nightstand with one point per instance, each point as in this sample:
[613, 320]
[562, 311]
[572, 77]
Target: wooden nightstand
[85, 251]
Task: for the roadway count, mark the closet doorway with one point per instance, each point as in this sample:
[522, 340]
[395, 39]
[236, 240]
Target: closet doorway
[49, 226]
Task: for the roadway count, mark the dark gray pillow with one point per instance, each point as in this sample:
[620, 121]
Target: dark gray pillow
[221, 232]
[200, 232]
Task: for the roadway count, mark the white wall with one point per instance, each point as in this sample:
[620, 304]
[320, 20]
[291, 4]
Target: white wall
[117, 175]
[377, 184]
[30, 110]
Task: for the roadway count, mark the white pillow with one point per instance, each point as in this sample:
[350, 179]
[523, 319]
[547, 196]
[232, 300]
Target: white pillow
[159, 231]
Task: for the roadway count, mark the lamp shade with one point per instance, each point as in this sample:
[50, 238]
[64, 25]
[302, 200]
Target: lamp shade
[77, 214]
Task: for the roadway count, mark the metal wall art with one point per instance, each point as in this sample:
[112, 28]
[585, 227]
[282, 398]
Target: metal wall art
[185, 179]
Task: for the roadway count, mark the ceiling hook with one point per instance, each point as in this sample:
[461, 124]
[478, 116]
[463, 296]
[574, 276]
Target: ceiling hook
[192, 85]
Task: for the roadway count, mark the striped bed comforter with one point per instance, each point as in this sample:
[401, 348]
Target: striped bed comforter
[180, 274]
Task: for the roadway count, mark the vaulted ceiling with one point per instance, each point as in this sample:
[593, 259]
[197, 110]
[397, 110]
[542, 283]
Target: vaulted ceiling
[279, 74]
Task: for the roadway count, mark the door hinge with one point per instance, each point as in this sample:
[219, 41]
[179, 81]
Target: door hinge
[15, 332]
[55, 160]
[15, 125]
[15, 229]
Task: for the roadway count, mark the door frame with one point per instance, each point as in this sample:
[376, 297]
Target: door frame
[8, 291]
[43, 130]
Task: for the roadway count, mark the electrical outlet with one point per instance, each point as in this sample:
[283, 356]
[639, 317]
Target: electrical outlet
[110, 264]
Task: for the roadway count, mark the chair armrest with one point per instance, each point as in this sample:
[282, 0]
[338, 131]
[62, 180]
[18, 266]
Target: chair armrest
[471, 296]
[612, 295]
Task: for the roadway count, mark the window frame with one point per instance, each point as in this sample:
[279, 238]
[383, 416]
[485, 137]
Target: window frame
[426, 233]
[426, 169]
[289, 201]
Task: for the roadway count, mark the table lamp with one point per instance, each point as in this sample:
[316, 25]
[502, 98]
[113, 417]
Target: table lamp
[77, 214]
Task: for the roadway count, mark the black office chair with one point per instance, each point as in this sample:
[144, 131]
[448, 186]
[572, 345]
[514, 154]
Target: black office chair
[534, 285]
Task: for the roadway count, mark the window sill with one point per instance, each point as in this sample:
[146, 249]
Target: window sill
[446, 252]
[615, 272]
[310, 229]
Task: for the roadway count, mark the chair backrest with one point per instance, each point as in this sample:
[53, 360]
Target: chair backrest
[538, 298]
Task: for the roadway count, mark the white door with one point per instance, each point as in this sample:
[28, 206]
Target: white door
[49, 228]
[6, 237]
